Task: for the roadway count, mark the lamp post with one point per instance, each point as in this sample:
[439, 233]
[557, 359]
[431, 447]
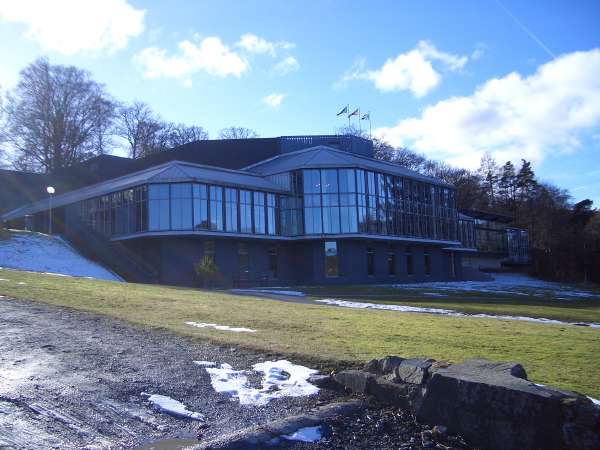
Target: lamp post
[50, 190]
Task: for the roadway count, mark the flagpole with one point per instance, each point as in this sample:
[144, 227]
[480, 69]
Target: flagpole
[348, 114]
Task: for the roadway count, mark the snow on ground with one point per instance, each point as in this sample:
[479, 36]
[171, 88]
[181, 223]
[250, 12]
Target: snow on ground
[507, 283]
[446, 312]
[220, 327]
[595, 401]
[306, 434]
[171, 406]
[279, 379]
[269, 291]
[205, 363]
[38, 252]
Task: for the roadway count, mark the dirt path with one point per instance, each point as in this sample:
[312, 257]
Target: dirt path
[70, 380]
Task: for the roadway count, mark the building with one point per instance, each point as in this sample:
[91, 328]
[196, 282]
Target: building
[496, 241]
[287, 210]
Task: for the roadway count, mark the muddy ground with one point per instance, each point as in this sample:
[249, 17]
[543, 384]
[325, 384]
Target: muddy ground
[73, 380]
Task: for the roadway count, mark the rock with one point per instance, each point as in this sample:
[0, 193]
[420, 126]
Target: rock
[496, 410]
[355, 380]
[324, 382]
[413, 371]
[479, 364]
[439, 430]
[383, 366]
[386, 392]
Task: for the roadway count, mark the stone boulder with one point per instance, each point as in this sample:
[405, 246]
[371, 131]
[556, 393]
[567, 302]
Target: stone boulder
[494, 407]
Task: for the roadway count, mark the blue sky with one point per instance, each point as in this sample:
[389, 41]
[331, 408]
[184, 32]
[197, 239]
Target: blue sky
[451, 79]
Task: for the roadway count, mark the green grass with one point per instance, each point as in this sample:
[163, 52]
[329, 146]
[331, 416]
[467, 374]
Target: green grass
[564, 356]
[575, 310]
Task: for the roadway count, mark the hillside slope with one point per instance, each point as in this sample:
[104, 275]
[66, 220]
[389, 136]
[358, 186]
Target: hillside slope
[38, 252]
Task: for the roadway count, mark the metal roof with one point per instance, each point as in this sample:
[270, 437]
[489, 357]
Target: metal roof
[171, 171]
[323, 157]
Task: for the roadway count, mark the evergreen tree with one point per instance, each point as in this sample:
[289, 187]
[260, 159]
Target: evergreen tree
[525, 181]
[507, 186]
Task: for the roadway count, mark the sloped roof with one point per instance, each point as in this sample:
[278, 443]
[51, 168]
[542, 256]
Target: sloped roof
[172, 171]
[323, 157]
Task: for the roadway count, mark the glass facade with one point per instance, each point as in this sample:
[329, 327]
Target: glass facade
[328, 201]
[335, 201]
[181, 207]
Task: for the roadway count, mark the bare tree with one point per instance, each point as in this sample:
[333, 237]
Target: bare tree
[137, 124]
[147, 133]
[237, 133]
[180, 134]
[56, 116]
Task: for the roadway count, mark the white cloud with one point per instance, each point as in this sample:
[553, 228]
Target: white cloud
[413, 71]
[273, 100]
[286, 65]
[254, 44]
[512, 117]
[73, 26]
[209, 55]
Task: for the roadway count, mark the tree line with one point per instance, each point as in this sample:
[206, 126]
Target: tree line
[57, 116]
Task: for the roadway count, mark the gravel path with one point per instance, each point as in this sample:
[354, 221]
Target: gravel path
[71, 380]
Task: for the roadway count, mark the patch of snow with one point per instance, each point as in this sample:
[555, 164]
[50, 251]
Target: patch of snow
[22, 283]
[509, 284]
[447, 312]
[220, 327]
[306, 434]
[38, 252]
[3, 279]
[279, 379]
[171, 406]
[205, 363]
[434, 294]
[595, 401]
[269, 291]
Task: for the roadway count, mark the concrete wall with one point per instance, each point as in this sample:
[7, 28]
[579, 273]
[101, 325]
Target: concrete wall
[299, 263]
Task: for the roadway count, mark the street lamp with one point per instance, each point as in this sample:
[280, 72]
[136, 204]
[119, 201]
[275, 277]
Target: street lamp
[50, 190]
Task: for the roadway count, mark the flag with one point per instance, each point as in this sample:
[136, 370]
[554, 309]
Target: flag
[354, 113]
[343, 111]
[366, 116]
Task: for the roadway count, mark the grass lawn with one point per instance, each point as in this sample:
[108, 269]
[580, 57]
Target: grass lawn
[471, 302]
[563, 356]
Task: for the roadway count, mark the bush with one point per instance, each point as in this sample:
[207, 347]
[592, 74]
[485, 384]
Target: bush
[207, 270]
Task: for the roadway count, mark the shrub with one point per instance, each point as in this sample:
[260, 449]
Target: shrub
[206, 270]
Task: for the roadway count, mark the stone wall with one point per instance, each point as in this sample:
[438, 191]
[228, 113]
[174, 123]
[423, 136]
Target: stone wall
[492, 405]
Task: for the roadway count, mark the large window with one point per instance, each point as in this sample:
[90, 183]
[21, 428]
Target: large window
[273, 262]
[243, 261]
[259, 213]
[216, 208]
[158, 207]
[313, 223]
[245, 211]
[391, 261]
[181, 206]
[231, 209]
[370, 262]
[331, 259]
[272, 215]
[200, 202]
[427, 261]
